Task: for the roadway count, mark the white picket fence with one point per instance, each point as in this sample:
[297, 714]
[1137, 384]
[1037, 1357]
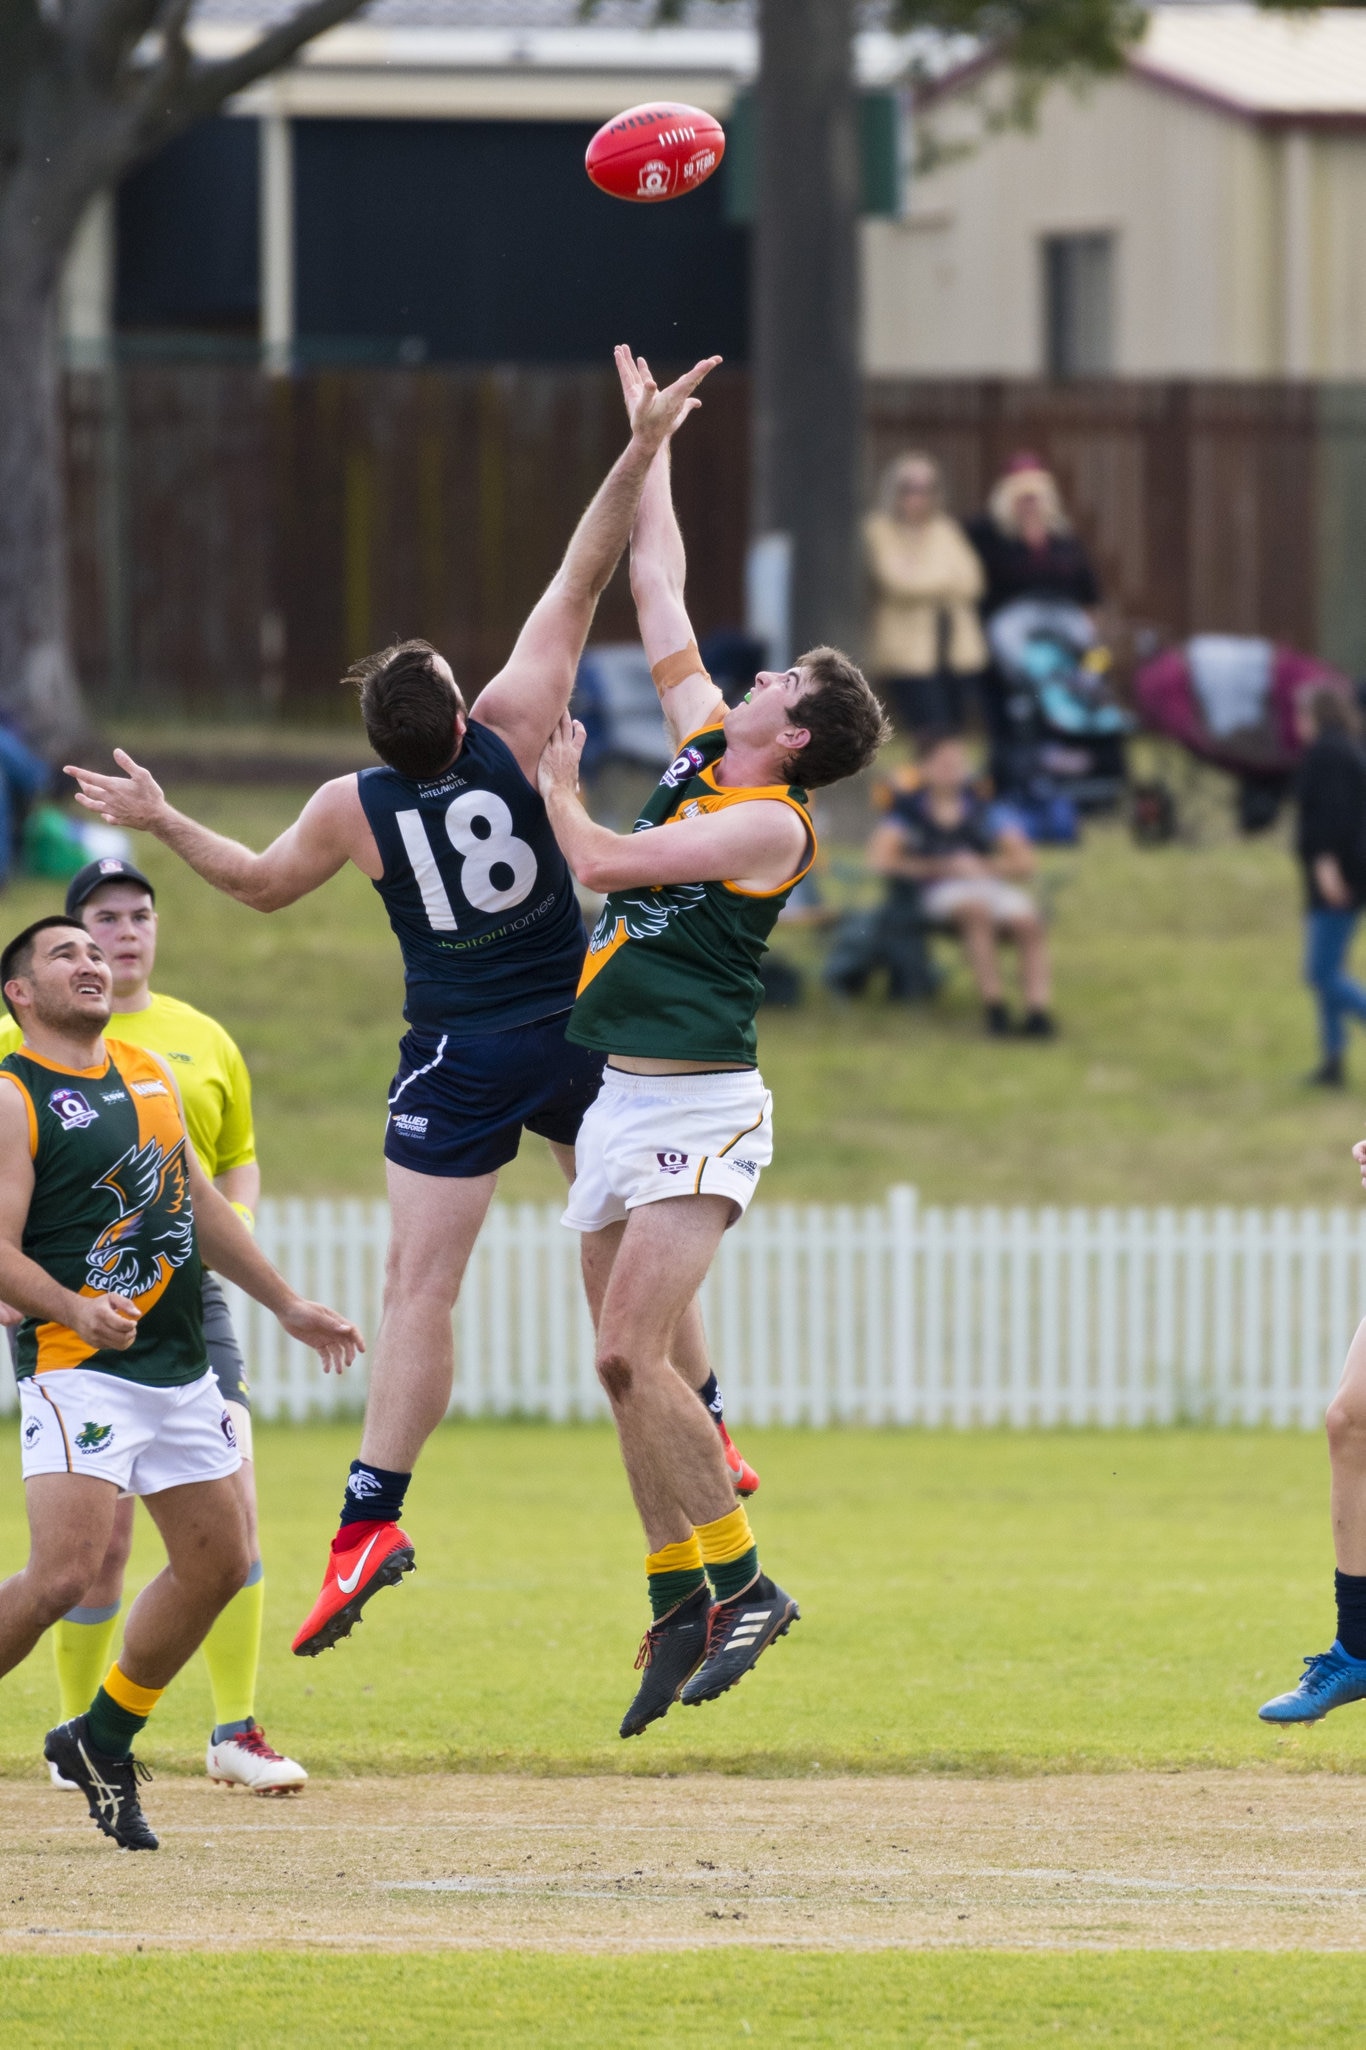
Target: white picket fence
[890, 1313]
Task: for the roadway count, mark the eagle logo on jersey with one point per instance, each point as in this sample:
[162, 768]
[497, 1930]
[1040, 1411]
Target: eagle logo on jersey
[154, 1231]
[645, 916]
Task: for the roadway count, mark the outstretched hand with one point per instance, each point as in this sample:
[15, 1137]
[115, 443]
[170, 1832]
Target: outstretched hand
[655, 415]
[334, 1338]
[134, 799]
[558, 768]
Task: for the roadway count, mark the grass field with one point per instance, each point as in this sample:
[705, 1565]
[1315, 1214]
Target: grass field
[977, 1608]
[968, 2001]
[977, 1603]
[1177, 1080]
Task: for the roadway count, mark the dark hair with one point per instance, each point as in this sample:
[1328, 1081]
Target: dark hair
[843, 717]
[17, 959]
[1332, 711]
[929, 741]
[409, 709]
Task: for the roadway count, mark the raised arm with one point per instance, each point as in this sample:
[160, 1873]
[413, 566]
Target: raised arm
[330, 830]
[526, 699]
[659, 570]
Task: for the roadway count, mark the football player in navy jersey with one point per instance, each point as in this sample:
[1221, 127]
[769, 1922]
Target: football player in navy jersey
[452, 831]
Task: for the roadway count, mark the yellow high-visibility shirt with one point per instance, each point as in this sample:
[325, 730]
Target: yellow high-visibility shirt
[214, 1084]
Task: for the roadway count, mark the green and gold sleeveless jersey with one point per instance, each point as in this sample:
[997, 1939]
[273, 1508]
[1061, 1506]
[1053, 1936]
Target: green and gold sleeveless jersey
[672, 972]
[111, 1212]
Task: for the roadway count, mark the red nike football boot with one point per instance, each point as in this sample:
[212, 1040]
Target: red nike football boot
[376, 1555]
[744, 1479]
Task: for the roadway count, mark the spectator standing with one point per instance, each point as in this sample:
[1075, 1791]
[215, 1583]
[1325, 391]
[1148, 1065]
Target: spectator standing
[1026, 543]
[926, 581]
[1331, 843]
[970, 864]
[1027, 549]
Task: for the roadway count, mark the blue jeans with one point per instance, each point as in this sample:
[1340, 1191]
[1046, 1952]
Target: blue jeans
[23, 774]
[1328, 938]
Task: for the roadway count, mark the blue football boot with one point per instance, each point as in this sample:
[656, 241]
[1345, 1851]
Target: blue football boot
[1330, 1680]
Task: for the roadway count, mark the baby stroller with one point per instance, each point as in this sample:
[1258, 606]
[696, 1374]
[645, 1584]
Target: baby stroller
[1229, 700]
[1059, 731]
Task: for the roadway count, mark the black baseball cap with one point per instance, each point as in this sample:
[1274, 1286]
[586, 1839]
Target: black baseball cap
[110, 868]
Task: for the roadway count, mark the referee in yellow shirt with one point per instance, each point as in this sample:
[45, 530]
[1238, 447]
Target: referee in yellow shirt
[117, 905]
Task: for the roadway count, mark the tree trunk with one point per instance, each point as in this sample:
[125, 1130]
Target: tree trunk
[37, 681]
[806, 312]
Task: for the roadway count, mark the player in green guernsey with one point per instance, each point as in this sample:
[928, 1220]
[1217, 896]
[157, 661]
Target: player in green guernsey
[670, 1153]
[103, 1207]
[117, 905]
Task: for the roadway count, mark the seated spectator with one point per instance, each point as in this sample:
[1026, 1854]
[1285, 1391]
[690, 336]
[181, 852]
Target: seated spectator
[969, 864]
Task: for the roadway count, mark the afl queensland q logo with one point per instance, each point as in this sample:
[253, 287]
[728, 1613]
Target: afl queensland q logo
[72, 1108]
[671, 1162]
[654, 179]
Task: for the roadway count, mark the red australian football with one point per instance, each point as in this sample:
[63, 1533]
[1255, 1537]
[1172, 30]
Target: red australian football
[660, 151]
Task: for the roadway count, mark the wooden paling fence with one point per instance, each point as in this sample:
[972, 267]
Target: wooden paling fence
[891, 1313]
[237, 539]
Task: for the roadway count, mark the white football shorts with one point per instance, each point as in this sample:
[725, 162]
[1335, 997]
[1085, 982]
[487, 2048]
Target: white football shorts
[74, 1420]
[649, 1137]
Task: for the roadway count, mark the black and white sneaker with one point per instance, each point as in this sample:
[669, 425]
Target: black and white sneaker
[110, 1785]
[670, 1651]
[737, 1632]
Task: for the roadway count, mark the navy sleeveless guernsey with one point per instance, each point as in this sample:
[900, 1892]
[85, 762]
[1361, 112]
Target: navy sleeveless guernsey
[477, 891]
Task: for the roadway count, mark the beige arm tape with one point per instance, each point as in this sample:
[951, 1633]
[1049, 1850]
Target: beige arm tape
[675, 669]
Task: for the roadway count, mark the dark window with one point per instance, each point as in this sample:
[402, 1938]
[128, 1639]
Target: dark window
[484, 241]
[188, 234]
[1078, 292]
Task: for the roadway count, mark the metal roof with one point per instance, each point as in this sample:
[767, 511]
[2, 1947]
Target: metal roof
[1261, 65]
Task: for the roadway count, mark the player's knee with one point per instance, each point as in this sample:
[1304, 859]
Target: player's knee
[62, 1584]
[615, 1374]
[1345, 1422]
[226, 1573]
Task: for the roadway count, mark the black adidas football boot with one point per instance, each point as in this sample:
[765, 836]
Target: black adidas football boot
[110, 1785]
[737, 1632]
[670, 1651]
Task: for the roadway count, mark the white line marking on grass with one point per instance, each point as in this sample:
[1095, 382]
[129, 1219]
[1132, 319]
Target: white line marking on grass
[1136, 1884]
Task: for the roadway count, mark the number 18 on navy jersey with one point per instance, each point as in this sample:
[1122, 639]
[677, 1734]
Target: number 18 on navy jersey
[477, 891]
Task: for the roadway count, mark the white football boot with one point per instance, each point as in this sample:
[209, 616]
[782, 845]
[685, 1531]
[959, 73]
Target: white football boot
[248, 1761]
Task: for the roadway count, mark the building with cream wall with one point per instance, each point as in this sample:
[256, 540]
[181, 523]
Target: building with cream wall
[1225, 170]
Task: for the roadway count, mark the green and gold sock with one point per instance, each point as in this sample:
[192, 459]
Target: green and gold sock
[729, 1553]
[232, 1652]
[118, 1712]
[82, 1643]
[672, 1574]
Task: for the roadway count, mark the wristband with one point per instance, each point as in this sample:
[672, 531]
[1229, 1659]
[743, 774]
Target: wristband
[247, 1216]
[676, 669]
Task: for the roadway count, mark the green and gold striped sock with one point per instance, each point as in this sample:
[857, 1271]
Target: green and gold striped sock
[729, 1553]
[672, 1574]
[118, 1712]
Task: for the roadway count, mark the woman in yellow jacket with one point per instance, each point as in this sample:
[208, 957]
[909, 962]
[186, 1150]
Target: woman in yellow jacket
[927, 642]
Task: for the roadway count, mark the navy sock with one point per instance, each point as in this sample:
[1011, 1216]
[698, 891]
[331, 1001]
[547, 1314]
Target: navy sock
[373, 1494]
[709, 1395]
[1350, 1589]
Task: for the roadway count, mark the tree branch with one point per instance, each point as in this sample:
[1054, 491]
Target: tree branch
[180, 91]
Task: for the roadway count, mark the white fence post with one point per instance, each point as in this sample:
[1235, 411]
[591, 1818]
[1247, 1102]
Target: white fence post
[882, 1314]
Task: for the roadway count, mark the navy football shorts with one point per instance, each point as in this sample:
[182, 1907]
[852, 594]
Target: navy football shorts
[458, 1107]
